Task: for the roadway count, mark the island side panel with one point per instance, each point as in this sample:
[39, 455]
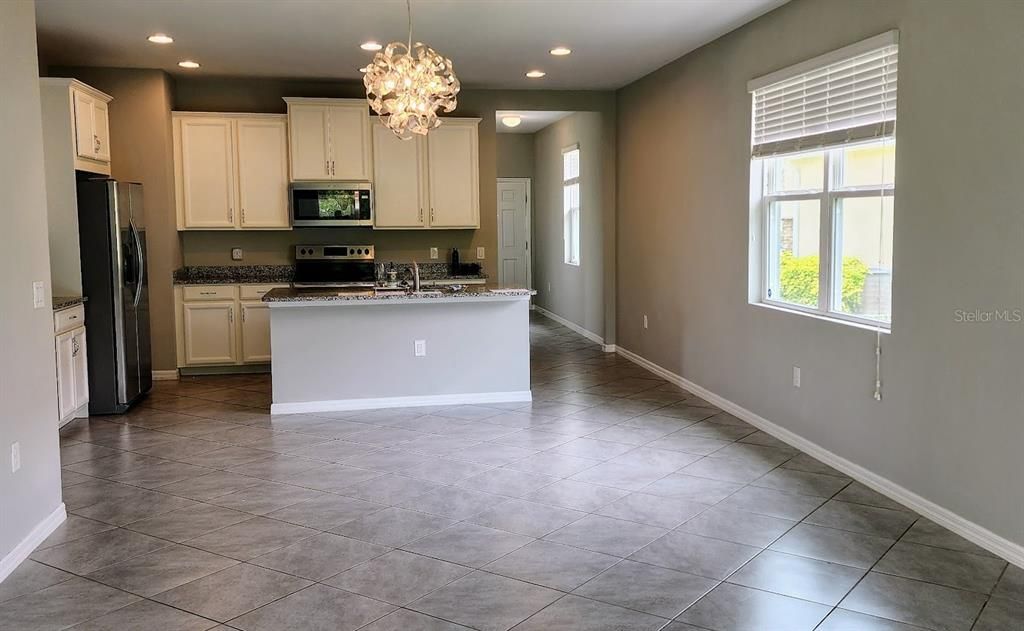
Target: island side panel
[361, 356]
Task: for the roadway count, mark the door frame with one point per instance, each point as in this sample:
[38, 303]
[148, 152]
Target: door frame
[529, 226]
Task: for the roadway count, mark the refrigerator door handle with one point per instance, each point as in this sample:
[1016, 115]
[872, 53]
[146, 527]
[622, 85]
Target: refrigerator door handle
[140, 263]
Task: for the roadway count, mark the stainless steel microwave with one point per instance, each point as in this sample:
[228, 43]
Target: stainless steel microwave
[331, 204]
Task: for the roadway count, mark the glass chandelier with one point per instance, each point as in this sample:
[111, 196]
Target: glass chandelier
[407, 84]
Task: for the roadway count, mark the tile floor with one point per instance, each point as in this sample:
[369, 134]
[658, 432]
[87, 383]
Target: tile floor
[614, 501]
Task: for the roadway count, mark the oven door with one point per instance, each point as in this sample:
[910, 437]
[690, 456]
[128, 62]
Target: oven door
[331, 204]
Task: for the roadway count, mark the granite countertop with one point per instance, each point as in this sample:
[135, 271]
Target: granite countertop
[325, 296]
[233, 274]
[66, 302]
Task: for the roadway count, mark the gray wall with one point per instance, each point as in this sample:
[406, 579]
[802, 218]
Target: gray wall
[514, 155]
[28, 388]
[575, 293]
[950, 426]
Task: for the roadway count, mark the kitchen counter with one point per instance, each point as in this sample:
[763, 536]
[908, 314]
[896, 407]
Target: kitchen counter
[66, 302]
[332, 297]
[233, 274]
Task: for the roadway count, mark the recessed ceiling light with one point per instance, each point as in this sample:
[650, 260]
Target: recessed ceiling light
[188, 63]
[560, 51]
[536, 74]
[511, 121]
[370, 46]
[160, 38]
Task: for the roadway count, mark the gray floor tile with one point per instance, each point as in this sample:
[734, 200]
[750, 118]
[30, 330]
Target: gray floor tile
[393, 526]
[718, 431]
[799, 577]
[156, 475]
[249, 539]
[332, 477]
[334, 451]
[133, 505]
[1000, 614]
[616, 537]
[663, 512]
[914, 602]
[320, 556]
[692, 488]
[326, 511]
[468, 544]
[507, 482]
[486, 601]
[446, 471]
[209, 486]
[735, 608]
[737, 526]
[582, 614]
[647, 588]
[869, 520]
[188, 523]
[857, 493]
[664, 460]
[630, 435]
[265, 498]
[453, 502]
[576, 495]
[552, 464]
[1011, 585]
[690, 444]
[146, 614]
[929, 533]
[159, 571]
[621, 475]
[772, 503]
[837, 546]
[552, 565]
[232, 592]
[226, 457]
[804, 462]
[693, 554]
[62, 605]
[961, 570]
[74, 527]
[592, 448]
[802, 482]
[526, 518]
[30, 577]
[389, 490]
[727, 469]
[406, 620]
[87, 554]
[491, 454]
[398, 577]
[316, 608]
[844, 620]
[533, 439]
[389, 460]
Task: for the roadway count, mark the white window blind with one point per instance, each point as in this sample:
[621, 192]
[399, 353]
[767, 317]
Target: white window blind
[846, 95]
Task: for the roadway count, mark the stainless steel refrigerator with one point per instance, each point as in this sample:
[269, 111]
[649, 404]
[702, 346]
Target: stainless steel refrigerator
[112, 231]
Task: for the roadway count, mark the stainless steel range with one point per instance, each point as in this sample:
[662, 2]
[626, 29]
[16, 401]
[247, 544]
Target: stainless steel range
[334, 266]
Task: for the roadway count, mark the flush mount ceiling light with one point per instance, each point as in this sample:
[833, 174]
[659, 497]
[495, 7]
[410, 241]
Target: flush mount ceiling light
[160, 38]
[535, 74]
[188, 63]
[408, 83]
[560, 51]
[370, 46]
[511, 121]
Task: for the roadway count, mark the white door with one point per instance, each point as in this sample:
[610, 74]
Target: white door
[399, 180]
[65, 374]
[209, 332]
[514, 265]
[263, 173]
[85, 134]
[208, 172]
[101, 130]
[80, 366]
[255, 332]
[349, 135]
[308, 142]
[454, 176]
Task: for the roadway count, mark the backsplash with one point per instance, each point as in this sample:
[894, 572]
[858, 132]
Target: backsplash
[272, 274]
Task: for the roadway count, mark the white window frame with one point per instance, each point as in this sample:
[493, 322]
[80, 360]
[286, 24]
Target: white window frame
[571, 219]
[829, 248]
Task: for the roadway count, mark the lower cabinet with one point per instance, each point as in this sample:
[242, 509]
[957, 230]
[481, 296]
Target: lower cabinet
[72, 365]
[222, 325]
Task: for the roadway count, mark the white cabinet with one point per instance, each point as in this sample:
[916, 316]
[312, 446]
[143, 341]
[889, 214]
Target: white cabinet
[92, 125]
[209, 332]
[231, 171]
[72, 364]
[431, 182]
[329, 139]
[76, 124]
[255, 332]
[222, 325]
[65, 375]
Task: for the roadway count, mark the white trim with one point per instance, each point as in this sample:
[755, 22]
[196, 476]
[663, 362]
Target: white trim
[882, 40]
[1008, 550]
[341, 405]
[165, 375]
[529, 226]
[38, 535]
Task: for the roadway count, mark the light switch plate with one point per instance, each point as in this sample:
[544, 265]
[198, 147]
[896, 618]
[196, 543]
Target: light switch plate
[433, 253]
[420, 348]
[236, 254]
[796, 376]
[38, 294]
[480, 252]
[15, 457]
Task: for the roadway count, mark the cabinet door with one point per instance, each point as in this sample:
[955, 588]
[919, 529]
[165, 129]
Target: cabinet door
[80, 367]
[65, 374]
[209, 329]
[454, 175]
[350, 141]
[101, 130]
[307, 129]
[399, 176]
[263, 173]
[85, 134]
[207, 172]
[255, 332]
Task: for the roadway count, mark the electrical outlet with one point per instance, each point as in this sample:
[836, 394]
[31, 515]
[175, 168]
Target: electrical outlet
[645, 320]
[15, 457]
[796, 376]
[480, 253]
[433, 253]
[236, 254]
[419, 348]
[38, 294]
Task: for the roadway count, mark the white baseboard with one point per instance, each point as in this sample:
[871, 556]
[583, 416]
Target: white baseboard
[590, 335]
[165, 375]
[341, 405]
[39, 534]
[1009, 550]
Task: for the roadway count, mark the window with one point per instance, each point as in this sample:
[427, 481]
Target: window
[571, 203]
[824, 146]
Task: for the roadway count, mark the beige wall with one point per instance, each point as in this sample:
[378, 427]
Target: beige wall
[949, 427]
[514, 155]
[575, 293]
[141, 151]
[28, 387]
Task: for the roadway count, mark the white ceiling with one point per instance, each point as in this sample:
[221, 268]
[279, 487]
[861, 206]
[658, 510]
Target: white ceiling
[491, 43]
[531, 120]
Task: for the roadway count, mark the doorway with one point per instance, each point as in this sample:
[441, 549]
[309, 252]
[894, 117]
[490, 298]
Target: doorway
[515, 267]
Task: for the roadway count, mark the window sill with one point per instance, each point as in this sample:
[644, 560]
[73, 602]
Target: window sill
[880, 327]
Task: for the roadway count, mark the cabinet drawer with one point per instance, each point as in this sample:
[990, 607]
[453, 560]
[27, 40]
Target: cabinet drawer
[208, 292]
[255, 292]
[67, 319]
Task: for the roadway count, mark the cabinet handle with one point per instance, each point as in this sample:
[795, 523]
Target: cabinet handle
[243, 314]
[243, 215]
[327, 167]
[75, 347]
[332, 167]
[96, 142]
[421, 215]
[231, 314]
[431, 215]
[231, 215]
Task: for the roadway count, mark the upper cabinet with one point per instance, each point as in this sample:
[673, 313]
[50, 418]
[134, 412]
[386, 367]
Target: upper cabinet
[231, 171]
[329, 139]
[429, 182]
[80, 112]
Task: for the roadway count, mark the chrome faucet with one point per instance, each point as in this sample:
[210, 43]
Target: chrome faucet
[415, 277]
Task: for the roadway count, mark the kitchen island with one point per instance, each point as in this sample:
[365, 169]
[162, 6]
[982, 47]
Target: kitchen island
[344, 349]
